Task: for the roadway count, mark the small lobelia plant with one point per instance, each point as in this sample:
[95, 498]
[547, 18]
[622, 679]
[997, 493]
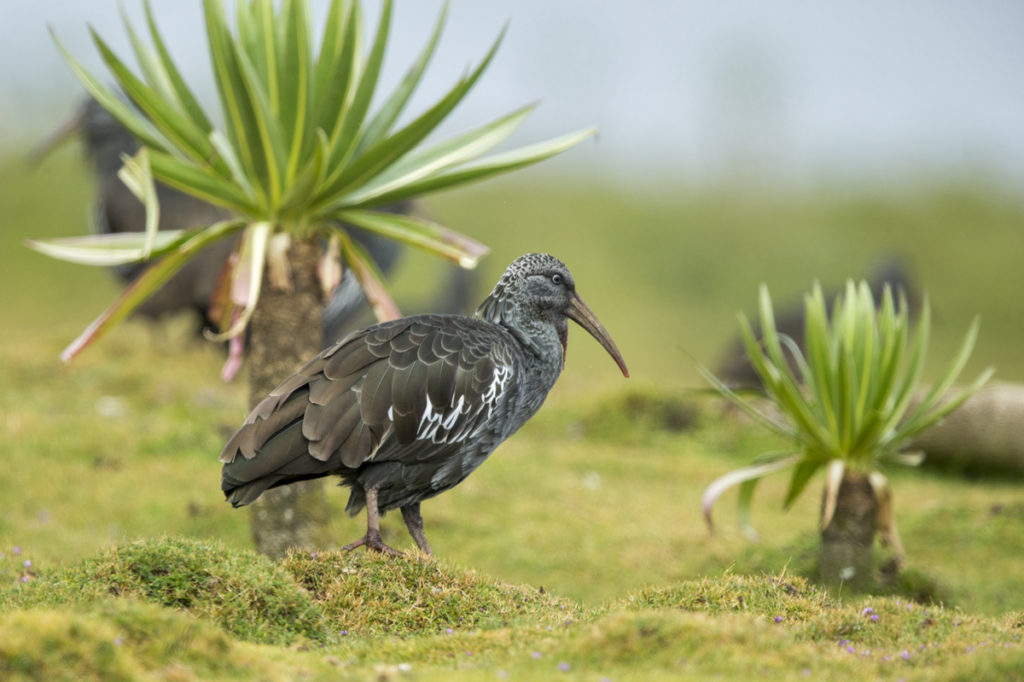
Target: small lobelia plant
[849, 403]
[305, 146]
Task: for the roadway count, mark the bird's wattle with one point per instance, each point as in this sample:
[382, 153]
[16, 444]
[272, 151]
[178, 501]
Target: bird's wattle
[563, 336]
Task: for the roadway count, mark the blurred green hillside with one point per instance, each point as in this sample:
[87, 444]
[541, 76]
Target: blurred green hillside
[666, 269]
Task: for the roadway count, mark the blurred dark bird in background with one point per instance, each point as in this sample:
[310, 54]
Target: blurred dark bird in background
[116, 209]
[735, 369]
[407, 409]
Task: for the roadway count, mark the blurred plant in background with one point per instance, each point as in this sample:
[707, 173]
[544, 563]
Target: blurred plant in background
[299, 153]
[851, 405]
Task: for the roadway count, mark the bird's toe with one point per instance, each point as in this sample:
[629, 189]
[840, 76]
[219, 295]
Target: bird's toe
[372, 543]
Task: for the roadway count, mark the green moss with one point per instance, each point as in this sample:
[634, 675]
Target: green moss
[690, 644]
[246, 594]
[786, 597]
[380, 616]
[115, 640]
[366, 594]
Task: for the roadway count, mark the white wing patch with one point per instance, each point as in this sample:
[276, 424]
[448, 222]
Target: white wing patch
[453, 423]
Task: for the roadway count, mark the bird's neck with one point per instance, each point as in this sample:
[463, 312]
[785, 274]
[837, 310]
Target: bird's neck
[538, 337]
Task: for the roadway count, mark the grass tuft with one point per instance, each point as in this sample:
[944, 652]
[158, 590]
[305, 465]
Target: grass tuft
[788, 597]
[129, 640]
[367, 594]
[243, 592]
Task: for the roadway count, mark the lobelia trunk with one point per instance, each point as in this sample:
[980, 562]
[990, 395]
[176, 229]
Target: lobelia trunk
[284, 332]
[847, 543]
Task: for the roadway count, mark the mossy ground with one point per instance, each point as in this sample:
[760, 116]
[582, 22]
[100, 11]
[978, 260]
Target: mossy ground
[578, 550]
[230, 614]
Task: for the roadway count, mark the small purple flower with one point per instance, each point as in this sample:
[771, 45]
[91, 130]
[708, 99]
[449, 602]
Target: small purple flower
[874, 617]
[851, 649]
[535, 654]
[24, 578]
[778, 619]
[16, 549]
[344, 633]
[118, 641]
[28, 563]
[867, 610]
[564, 667]
[905, 655]
[448, 631]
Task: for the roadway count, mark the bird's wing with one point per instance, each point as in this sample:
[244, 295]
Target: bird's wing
[397, 390]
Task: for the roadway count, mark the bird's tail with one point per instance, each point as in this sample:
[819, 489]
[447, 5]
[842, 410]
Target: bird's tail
[241, 494]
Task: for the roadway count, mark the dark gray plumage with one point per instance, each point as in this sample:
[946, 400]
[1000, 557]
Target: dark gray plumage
[106, 141]
[405, 410]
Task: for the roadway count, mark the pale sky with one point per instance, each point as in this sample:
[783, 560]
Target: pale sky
[786, 90]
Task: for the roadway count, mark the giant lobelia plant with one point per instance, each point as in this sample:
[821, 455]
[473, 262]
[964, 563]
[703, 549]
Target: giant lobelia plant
[300, 153]
[849, 404]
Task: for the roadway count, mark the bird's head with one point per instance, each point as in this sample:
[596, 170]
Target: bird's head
[536, 291]
[104, 137]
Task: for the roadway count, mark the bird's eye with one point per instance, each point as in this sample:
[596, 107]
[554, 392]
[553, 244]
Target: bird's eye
[556, 278]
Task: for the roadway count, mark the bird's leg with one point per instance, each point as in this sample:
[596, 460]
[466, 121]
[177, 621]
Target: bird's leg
[414, 522]
[372, 538]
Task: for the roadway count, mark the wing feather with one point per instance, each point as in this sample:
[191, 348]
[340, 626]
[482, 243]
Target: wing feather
[339, 430]
[375, 393]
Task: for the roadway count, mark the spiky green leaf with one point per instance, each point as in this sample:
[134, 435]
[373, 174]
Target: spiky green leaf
[429, 162]
[484, 169]
[148, 282]
[183, 95]
[343, 142]
[393, 107]
[420, 233]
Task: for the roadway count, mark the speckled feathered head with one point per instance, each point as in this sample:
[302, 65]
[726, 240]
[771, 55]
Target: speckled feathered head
[536, 292]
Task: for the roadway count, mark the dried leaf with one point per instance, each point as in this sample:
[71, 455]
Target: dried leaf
[328, 267]
[236, 348]
[833, 479]
[278, 269]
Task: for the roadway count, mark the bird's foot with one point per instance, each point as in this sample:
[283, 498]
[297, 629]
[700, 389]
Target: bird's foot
[372, 542]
